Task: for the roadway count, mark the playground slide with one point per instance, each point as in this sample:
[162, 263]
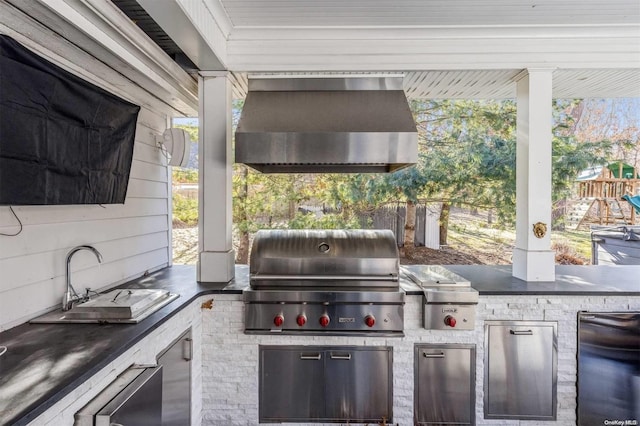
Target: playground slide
[634, 201]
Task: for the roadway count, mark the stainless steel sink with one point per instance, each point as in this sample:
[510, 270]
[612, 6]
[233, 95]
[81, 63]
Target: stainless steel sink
[125, 306]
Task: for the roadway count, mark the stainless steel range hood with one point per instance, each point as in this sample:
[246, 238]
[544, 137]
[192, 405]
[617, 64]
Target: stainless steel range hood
[330, 125]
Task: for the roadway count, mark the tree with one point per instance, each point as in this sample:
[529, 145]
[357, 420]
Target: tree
[616, 121]
[467, 156]
[570, 153]
[466, 152]
[406, 185]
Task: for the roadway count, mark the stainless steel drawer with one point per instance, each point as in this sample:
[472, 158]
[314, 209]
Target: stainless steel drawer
[133, 399]
[520, 370]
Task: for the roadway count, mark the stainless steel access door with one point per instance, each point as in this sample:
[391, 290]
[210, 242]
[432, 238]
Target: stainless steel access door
[444, 389]
[325, 384]
[291, 384]
[520, 370]
[176, 381]
[358, 384]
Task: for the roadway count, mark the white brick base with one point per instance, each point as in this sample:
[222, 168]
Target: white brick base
[225, 360]
[230, 358]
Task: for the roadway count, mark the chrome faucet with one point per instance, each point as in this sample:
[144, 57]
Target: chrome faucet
[71, 296]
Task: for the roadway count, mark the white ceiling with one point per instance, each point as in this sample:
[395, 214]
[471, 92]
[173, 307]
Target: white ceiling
[445, 48]
[500, 84]
[376, 13]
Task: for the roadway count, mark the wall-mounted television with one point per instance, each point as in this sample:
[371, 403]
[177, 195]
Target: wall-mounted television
[62, 140]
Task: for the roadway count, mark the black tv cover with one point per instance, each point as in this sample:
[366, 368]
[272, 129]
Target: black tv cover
[62, 139]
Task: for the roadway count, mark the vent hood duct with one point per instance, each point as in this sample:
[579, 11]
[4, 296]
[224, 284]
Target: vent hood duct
[326, 125]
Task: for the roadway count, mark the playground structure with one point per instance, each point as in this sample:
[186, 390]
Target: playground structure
[607, 195]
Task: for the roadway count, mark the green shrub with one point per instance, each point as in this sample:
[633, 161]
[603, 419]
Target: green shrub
[327, 221]
[185, 210]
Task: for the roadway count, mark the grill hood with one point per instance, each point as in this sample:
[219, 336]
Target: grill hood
[326, 125]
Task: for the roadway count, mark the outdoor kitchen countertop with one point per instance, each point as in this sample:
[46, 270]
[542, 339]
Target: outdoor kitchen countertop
[496, 280]
[45, 362]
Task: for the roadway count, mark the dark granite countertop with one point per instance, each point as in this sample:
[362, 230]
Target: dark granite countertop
[45, 362]
[616, 280]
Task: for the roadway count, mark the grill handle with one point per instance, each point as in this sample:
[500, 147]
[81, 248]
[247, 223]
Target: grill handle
[258, 277]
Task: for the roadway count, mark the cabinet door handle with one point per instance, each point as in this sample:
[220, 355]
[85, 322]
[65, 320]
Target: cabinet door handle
[187, 349]
[521, 332]
[429, 355]
[346, 357]
[311, 357]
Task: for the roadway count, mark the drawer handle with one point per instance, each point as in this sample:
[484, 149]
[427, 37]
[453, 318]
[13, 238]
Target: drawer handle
[521, 332]
[438, 355]
[311, 357]
[346, 357]
[187, 349]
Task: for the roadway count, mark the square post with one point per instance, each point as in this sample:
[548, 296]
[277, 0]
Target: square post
[216, 261]
[533, 259]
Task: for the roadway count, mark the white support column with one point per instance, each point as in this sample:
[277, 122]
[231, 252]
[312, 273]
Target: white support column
[217, 259]
[533, 259]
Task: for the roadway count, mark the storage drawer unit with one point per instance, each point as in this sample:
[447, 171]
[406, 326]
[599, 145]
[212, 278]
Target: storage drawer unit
[133, 399]
[325, 384]
[444, 390]
[520, 370]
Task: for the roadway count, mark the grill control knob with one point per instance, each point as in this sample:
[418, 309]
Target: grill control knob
[370, 320]
[450, 321]
[278, 320]
[301, 320]
[324, 320]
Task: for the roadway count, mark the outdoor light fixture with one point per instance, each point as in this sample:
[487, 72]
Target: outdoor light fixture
[176, 145]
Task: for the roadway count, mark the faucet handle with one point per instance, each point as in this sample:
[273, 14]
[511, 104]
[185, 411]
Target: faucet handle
[87, 294]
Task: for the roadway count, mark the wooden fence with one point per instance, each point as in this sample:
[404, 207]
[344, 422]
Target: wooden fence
[427, 232]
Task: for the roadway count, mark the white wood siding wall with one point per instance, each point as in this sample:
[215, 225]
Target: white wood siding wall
[133, 238]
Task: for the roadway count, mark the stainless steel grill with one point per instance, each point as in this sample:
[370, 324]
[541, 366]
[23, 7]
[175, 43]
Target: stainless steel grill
[324, 282]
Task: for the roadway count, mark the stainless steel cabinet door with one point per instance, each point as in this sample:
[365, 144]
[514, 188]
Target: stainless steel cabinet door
[176, 382]
[358, 384]
[520, 370]
[291, 384]
[444, 391]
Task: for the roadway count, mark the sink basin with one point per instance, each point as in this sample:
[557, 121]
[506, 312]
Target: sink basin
[126, 306]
